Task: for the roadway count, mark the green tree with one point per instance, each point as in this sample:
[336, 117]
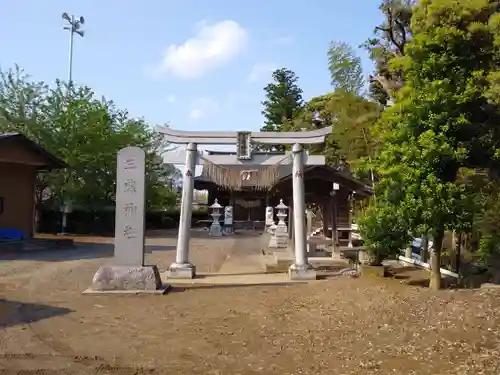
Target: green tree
[283, 102]
[352, 118]
[345, 68]
[84, 131]
[445, 119]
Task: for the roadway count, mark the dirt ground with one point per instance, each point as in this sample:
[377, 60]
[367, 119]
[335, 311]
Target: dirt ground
[335, 326]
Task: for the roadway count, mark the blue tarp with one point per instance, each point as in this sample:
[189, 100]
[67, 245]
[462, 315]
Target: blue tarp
[11, 234]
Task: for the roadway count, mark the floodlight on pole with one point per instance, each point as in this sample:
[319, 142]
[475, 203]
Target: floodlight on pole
[73, 26]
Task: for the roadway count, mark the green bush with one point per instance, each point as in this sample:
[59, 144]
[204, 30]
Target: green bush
[103, 222]
[384, 231]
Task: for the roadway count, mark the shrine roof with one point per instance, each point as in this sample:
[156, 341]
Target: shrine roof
[215, 152]
[327, 174]
[47, 161]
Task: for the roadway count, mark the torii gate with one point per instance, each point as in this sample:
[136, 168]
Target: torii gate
[301, 269]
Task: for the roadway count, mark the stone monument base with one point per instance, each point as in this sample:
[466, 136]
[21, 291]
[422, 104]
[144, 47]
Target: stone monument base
[127, 280]
[181, 271]
[215, 231]
[299, 272]
[278, 241]
[228, 230]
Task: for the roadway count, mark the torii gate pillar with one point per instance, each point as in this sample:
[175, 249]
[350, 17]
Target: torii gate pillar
[182, 268]
[301, 269]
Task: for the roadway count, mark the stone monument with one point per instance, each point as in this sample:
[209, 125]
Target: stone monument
[127, 273]
[228, 229]
[269, 217]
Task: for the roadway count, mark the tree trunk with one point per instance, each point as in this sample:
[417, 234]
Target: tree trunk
[453, 251]
[435, 263]
[458, 254]
[424, 251]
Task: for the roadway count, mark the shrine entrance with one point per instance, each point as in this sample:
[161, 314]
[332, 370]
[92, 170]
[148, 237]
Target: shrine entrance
[241, 170]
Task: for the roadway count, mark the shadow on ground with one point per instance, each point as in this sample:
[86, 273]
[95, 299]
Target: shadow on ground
[200, 233]
[13, 312]
[80, 251]
[418, 277]
[185, 288]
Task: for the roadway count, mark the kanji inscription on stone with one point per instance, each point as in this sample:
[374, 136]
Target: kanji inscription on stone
[130, 163]
[129, 209]
[129, 232]
[130, 185]
[130, 195]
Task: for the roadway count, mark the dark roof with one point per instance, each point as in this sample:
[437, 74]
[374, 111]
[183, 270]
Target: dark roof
[53, 162]
[215, 152]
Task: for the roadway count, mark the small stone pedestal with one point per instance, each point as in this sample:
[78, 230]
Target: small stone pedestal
[127, 279]
[369, 271]
[181, 271]
[301, 272]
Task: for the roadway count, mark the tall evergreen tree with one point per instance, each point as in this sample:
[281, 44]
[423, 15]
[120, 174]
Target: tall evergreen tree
[282, 104]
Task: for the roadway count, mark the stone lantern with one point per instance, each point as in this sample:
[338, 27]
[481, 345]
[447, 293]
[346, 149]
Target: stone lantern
[280, 237]
[215, 228]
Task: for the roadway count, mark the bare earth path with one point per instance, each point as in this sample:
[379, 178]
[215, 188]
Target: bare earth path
[336, 326]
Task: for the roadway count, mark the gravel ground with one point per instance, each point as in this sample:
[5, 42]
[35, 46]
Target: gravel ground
[335, 326]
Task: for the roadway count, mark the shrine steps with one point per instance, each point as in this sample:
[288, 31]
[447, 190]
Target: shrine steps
[281, 263]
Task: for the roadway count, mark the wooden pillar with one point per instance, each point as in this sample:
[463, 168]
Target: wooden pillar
[291, 232]
[309, 220]
[333, 222]
[325, 211]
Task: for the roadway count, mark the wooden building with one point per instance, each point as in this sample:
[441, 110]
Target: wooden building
[249, 204]
[20, 161]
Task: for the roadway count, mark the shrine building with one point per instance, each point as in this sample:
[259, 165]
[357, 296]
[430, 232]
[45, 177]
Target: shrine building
[326, 187]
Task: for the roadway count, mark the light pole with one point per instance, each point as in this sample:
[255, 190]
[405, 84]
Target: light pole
[73, 27]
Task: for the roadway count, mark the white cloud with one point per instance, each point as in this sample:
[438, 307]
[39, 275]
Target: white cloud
[196, 114]
[213, 46]
[261, 70]
[171, 99]
[283, 41]
[202, 107]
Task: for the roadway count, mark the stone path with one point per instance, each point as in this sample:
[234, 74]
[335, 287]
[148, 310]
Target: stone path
[246, 255]
[243, 265]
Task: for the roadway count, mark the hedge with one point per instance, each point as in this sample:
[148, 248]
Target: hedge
[103, 222]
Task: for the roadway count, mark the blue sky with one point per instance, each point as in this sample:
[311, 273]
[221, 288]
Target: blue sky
[199, 65]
